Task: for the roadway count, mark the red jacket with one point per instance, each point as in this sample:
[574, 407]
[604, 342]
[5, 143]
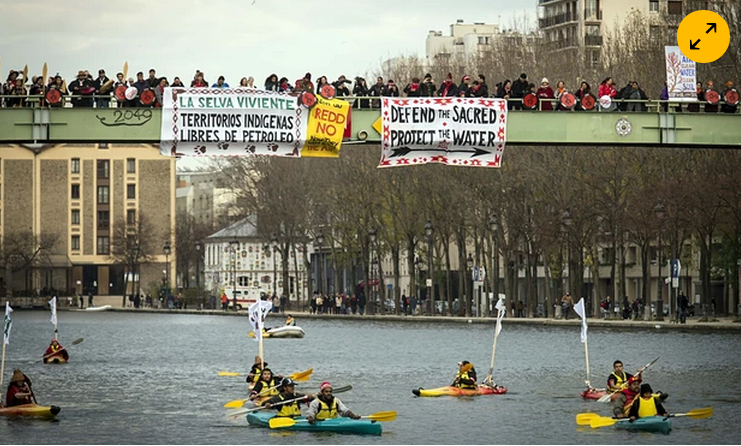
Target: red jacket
[604, 89]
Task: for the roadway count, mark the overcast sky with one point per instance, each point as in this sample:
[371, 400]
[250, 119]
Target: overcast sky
[234, 38]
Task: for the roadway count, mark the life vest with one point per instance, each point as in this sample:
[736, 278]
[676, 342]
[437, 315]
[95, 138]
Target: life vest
[326, 411]
[289, 410]
[461, 376]
[256, 376]
[629, 398]
[272, 385]
[619, 380]
[646, 407]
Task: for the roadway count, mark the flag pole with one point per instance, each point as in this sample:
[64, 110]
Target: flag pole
[586, 356]
[54, 315]
[6, 339]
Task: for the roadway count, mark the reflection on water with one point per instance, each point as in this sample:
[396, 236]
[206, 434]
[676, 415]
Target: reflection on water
[150, 378]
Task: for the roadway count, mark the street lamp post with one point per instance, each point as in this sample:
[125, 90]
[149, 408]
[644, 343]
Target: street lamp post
[568, 221]
[418, 262]
[494, 226]
[659, 211]
[166, 249]
[137, 269]
[234, 244]
[198, 274]
[274, 242]
[373, 236]
[320, 241]
[469, 295]
[430, 271]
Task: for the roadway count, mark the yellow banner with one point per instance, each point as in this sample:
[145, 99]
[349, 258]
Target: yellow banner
[325, 129]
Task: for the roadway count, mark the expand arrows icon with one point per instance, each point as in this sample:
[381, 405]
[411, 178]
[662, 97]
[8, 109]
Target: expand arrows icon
[713, 27]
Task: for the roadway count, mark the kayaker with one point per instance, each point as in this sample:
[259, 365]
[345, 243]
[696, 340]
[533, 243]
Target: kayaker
[326, 406]
[647, 405]
[53, 348]
[256, 370]
[267, 386]
[466, 376]
[290, 321]
[618, 377]
[287, 393]
[622, 401]
[19, 390]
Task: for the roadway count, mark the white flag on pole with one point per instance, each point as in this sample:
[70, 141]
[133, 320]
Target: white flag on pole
[53, 307]
[8, 323]
[501, 309]
[257, 313]
[581, 311]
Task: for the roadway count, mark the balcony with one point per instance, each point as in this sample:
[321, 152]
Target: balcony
[592, 40]
[592, 16]
[556, 20]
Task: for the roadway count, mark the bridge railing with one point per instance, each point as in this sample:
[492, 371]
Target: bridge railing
[374, 103]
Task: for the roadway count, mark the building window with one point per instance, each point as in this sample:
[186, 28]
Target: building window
[75, 165]
[654, 33]
[75, 216]
[130, 165]
[131, 191]
[103, 219]
[75, 243]
[653, 5]
[674, 8]
[104, 245]
[131, 216]
[103, 169]
[75, 191]
[102, 194]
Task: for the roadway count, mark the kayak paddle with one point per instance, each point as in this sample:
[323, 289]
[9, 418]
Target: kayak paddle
[235, 404]
[75, 342]
[279, 422]
[583, 419]
[598, 421]
[608, 396]
[298, 376]
[705, 412]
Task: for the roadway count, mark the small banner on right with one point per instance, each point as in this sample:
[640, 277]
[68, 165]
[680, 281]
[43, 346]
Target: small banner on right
[681, 75]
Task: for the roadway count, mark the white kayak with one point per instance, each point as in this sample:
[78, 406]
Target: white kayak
[286, 331]
[102, 308]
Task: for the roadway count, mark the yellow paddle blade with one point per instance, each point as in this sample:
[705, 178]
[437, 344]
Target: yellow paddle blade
[706, 412]
[44, 72]
[229, 374]
[236, 404]
[301, 376]
[389, 415]
[279, 422]
[583, 419]
[125, 70]
[602, 422]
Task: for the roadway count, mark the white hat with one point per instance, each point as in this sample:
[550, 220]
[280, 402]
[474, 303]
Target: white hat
[545, 81]
[131, 93]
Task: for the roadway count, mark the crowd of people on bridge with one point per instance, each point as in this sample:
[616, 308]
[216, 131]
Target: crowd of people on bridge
[89, 91]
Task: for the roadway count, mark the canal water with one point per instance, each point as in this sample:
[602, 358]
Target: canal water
[152, 378]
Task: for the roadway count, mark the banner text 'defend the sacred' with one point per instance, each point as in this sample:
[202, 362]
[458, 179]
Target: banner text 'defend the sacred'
[454, 131]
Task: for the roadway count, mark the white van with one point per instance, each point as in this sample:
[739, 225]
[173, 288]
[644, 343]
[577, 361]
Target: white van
[246, 296]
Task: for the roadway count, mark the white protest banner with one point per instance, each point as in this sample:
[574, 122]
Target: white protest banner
[681, 75]
[53, 308]
[453, 131]
[581, 311]
[233, 122]
[8, 325]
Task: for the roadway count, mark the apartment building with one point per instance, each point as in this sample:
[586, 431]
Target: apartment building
[582, 24]
[205, 196]
[61, 207]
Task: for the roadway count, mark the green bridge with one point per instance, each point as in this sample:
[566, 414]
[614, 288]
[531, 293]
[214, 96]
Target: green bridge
[142, 125]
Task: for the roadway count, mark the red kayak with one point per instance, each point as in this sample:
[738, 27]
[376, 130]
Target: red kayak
[457, 391]
[593, 394]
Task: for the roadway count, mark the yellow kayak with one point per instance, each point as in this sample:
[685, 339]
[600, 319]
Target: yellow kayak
[30, 410]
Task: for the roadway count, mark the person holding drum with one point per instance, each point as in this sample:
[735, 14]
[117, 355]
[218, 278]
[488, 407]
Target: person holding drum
[103, 89]
[82, 90]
